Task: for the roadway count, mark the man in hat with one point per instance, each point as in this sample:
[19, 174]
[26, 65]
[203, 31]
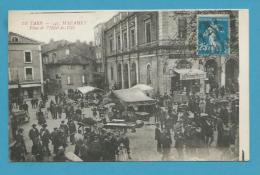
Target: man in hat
[72, 131]
[64, 128]
[45, 137]
[19, 150]
[166, 144]
[78, 141]
[34, 133]
[55, 140]
[37, 150]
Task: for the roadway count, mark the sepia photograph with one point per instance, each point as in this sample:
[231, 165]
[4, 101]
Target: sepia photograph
[120, 86]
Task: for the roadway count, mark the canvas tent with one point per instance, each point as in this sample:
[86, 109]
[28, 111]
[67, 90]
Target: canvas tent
[133, 97]
[86, 89]
[142, 87]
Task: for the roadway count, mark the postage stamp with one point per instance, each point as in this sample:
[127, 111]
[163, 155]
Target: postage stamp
[213, 35]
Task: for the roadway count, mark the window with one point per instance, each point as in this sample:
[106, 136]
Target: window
[118, 42]
[111, 44]
[27, 57]
[83, 79]
[28, 73]
[69, 80]
[133, 75]
[148, 31]
[67, 52]
[126, 78]
[15, 39]
[148, 69]
[182, 28]
[112, 73]
[132, 37]
[125, 39]
[119, 76]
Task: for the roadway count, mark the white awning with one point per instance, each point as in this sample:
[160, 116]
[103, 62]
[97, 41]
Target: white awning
[30, 85]
[191, 74]
[15, 86]
[133, 96]
[87, 89]
[142, 87]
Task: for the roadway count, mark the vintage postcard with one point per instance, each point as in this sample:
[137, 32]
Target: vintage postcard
[152, 85]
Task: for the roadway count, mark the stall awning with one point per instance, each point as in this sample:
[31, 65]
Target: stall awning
[142, 87]
[191, 74]
[87, 89]
[133, 96]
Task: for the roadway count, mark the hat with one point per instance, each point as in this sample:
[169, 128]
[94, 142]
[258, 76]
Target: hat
[44, 125]
[33, 125]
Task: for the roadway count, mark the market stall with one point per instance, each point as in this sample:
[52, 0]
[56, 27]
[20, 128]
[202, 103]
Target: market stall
[144, 88]
[87, 89]
[133, 97]
[186, 81]
[137, 100]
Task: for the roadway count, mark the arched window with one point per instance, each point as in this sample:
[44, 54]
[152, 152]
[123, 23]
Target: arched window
[133, 74]
[148, 72]
[126, 80]
[119, 76]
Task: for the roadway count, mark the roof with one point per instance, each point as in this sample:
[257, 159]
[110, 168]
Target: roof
[77, 48]
[142, 87]
[21, 39]
[54, 45]
[87, 89]
[72, 60]
[133, 96]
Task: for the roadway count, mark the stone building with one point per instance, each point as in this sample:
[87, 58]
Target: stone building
[152, 47]
[24, 67]
[68, 65]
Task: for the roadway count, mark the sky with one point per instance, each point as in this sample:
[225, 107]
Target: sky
[69, 25]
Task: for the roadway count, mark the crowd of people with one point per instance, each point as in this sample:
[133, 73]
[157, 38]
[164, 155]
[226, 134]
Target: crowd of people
[196, 124]
[190, 126]
[90, 140]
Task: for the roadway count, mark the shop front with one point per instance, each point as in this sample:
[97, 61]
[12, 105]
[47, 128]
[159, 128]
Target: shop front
[188, 81]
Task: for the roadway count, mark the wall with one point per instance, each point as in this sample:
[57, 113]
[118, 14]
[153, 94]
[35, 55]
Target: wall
[17, 64]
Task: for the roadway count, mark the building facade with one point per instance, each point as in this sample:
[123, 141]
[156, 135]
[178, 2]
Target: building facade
[24, 68]
[68, 65]
[149, 47]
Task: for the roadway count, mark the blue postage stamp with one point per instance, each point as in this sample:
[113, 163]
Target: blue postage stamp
[213, 35]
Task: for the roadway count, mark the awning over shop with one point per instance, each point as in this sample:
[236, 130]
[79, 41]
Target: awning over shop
[142, 87]
[191, 74]
[15, 86]
[87, 89]
[133, 96]
[30, 85]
